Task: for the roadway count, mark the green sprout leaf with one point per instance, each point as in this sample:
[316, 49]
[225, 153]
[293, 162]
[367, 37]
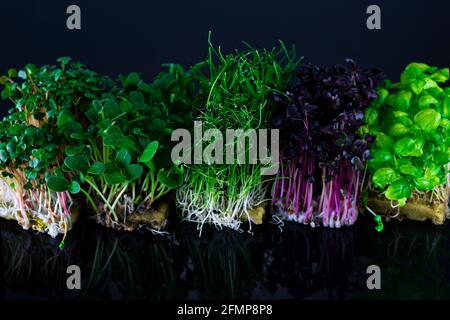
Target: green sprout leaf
[170, 178]
[114, 178]
[77, 163]
[74, 150]
[149, 152]
[74, 187]
[404, 146]
[409, 170]
[384, 177]
[428, 120]
[123, 157]
[119, 140]
[133, 171]
[97, 168]
[58, 183]
[112, 110]
[397, 130]
[398, 190]
[3, 155]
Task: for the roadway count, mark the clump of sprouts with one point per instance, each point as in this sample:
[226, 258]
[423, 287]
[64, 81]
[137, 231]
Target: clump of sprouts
[33, 137]
[322, 151]
[121, 154]
[240, 88]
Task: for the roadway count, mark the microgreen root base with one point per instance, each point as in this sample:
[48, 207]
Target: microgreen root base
[432, 205]
[296, 193]
[220, 210]
[130, 218]
[38, 209]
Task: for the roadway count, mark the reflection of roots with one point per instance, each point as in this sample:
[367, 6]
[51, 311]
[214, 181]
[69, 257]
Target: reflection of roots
[146, 216]
[431, 205]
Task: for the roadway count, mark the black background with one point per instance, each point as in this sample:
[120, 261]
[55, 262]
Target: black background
[123, 36]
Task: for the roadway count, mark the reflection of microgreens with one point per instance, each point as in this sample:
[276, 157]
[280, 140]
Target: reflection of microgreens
[240, 87]
[31, 142]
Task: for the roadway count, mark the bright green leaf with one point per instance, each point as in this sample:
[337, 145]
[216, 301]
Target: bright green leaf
[428, 120]
[397, 130]
[409, 170]
[427, 100]
[74, 187]
[399, 189]
[149, 152]
[384, 177]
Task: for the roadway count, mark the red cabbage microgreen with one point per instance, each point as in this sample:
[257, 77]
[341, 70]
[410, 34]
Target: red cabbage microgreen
[322, 154]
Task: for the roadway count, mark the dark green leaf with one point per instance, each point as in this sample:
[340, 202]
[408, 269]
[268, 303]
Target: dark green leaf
[97, 168]
[114, 178]
[133, 171]
[64, 117]
[172, 179]
[58, 184]
[74, 150]
[123, 157]
[77, 163]
[119, 140]
[126, 106]
[111, 109]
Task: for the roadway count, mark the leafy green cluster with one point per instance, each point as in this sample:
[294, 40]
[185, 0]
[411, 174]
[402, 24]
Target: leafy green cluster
[30, 136]
[71, 130]
[410, 121]
[122, 152]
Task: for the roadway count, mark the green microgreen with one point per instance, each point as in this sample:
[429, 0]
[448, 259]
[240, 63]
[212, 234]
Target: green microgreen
[239, 90]
[410, 122]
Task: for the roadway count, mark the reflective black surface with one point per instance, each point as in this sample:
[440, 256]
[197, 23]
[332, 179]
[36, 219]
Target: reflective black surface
[296, 263]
